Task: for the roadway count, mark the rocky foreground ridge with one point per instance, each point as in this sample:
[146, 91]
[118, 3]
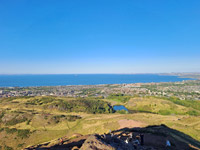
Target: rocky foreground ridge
[155, 138]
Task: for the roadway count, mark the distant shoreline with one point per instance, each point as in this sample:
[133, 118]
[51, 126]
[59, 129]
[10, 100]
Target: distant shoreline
[184, 75]
[161, 73]
[86, 79]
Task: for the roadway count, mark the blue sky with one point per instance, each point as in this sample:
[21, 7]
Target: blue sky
[99, 36]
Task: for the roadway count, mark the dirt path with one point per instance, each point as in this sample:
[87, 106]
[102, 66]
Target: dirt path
[130, 123]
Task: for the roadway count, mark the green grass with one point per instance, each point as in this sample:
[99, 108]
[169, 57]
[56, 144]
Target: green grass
[15, 121]
[162, 106]
[119, 98]
[195, 104]
[45, 123]
[23, 133]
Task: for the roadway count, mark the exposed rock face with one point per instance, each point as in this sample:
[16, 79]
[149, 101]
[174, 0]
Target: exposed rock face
[95, 142]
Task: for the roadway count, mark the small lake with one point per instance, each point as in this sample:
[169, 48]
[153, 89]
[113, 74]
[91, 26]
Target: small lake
[119, 107]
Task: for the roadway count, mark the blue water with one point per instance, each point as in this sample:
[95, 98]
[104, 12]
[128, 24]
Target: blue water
[119, 107]
[82, 79]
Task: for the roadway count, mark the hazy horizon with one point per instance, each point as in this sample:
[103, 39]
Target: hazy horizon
[94, 73]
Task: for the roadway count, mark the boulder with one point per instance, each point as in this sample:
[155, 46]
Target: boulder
[95, 142]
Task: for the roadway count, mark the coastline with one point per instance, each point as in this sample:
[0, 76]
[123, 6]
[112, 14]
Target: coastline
[12, 81]
[194, 75]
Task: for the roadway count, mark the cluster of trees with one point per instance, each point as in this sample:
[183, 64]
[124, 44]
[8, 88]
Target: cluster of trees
[83, 105]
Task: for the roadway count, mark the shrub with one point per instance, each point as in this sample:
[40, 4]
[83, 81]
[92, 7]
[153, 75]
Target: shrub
[20, 145]
[15, 121]
[83, 105]
[7, 147]
[28, 122]
[1, 129]
[1, 115]
[73, 117]
[193, 113]
[10, 131]
[23, 133]
[122, 111]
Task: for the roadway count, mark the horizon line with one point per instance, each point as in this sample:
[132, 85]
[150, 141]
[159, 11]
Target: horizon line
[89, 73]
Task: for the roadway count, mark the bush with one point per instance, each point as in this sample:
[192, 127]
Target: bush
[20, 145]
[83, 105]
[7, 147]
[1, 115]
[65, 117]
[122, 111]
[193, 113]
[28, 122]
[73, 117]
[10, 131]
[15, 121]
[1, 129]
[23, 133]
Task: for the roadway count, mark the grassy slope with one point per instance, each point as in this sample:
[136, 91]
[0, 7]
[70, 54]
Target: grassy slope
[158, 105]
[94, 123]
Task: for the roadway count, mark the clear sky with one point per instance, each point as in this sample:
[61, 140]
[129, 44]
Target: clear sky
[99, 36]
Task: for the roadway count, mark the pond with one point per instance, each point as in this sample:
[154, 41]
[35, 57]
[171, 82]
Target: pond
[119, 107]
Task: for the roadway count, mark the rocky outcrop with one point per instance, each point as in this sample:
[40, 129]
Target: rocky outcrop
[95, 142]
[155, 138]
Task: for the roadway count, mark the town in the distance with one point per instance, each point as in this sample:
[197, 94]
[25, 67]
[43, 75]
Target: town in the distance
[137, 116]
[188, 89]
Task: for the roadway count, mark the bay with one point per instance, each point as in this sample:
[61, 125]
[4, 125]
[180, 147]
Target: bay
[82, 79]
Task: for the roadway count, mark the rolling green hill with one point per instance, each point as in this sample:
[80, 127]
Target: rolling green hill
[32, 120]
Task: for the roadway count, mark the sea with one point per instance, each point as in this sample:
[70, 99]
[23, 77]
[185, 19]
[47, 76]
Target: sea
[82, 79]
